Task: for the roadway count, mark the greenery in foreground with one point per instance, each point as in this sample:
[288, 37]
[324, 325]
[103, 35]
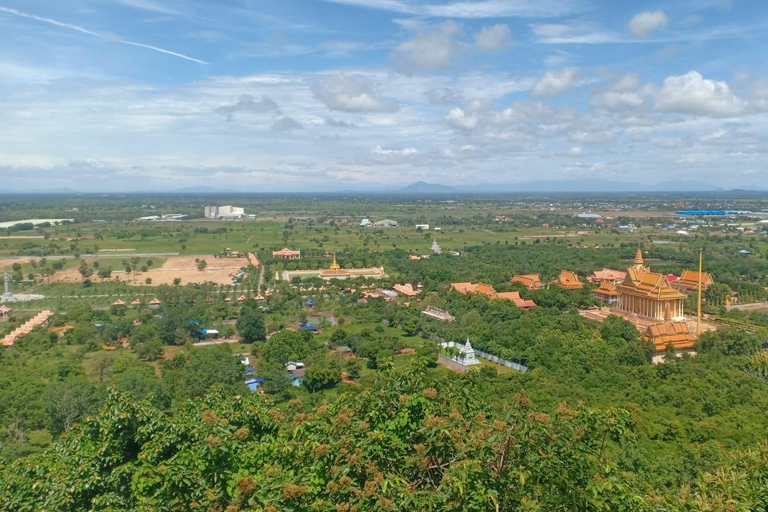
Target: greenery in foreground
[408, 443]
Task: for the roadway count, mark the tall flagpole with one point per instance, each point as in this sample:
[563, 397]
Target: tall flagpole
[698, 311]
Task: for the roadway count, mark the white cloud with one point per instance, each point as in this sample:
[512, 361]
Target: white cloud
[646, 22]
[697, 158]
[428, 51]
[554, 82]
[693, 94]
[576, 151]
[467, 118]
[575, 32]
[287, 124]
[246, 104]
[350, 93]
[493, 38]
[387, 151]
[591, 137]
[624, 94]
[674, 143]
[475, 9]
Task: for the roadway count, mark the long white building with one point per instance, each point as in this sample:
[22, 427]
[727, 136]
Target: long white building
[224, 212]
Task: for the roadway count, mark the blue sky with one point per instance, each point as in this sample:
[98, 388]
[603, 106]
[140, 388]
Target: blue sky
[304, 95]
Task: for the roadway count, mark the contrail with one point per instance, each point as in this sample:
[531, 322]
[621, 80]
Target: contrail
[96, 34]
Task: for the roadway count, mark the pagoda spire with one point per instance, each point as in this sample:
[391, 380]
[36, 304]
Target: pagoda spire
[638, 261]
[335, 265]
[667, 313]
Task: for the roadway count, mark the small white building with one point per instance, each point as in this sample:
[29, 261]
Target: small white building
[423, 227]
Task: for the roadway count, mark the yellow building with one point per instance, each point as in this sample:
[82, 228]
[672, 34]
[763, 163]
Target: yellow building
[648, 294]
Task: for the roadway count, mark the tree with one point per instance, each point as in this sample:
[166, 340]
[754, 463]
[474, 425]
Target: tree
[322, 376]
[250, 322]
[176, 281]
[69, 401]
[201, 265]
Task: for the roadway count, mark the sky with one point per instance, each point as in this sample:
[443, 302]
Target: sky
[324, 95]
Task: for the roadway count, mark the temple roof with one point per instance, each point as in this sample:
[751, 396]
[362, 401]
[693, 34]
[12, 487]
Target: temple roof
[641, 281]
[607, 288]
[528, 280]
[568, 280]
[690, 279]
[608, 275]
[664, 333]
[638, 257]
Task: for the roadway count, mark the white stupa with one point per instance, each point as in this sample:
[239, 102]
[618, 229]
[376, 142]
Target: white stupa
[436, 248]
[467, 355]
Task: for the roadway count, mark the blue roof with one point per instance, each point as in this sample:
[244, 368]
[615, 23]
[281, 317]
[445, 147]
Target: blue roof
[709, 212]
[308, 328]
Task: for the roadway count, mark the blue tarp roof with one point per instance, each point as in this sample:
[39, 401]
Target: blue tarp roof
[308, 328]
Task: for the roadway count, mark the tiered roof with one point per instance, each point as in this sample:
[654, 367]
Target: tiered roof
[530, 281]
[641, 281]
[689, 280]
[607, 289]
[568, 280]
[677, 333]
[598, 276]
[489, 291]
[406, 289]
[285, 253]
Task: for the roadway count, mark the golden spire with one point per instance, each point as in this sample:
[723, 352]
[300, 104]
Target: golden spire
[638, 257]
[335, 265]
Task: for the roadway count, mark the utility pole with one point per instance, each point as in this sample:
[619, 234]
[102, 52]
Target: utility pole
[698, 311]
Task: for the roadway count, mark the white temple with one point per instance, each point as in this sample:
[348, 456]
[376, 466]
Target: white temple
[467, 355]
[436, 248]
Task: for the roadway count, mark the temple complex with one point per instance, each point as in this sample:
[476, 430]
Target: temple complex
[333, 272]
[689, 281]
[568, 281]
[286, 254]
[648, 294]
[530, 281]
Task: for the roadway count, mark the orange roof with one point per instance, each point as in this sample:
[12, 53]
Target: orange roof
[488, 290]
[690, 279]
[607, 288]
[664, 333]
[469, 287]
[645, 283]
[286, 252]
[242, 298]
[568, 280]
[155, 302]
[119, 302]
[607, 275]
[137, 302]
[259, 297]
[530, 281]
[405, 289]
[515, 297]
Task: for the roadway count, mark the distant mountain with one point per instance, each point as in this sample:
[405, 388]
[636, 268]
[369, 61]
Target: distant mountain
[587, 186]
[43, 191]
[422, 187]
[200, 190]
